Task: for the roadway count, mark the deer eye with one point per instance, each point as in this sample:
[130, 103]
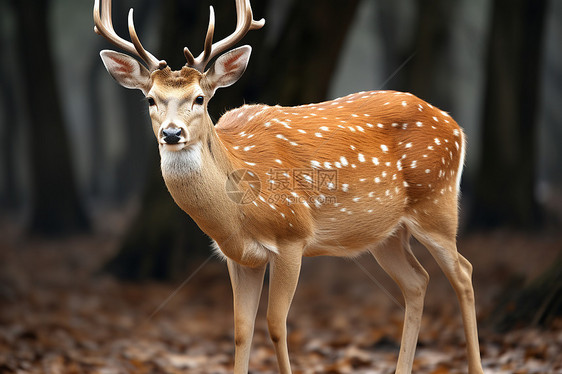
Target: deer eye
[151, 101]
[199, 100]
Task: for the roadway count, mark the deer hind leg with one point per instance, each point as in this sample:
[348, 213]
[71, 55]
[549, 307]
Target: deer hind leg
[397, 259]
[284, 271]
[246, 286]
[438, 235]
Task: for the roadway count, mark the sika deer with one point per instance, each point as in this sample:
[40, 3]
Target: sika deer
[355, 174]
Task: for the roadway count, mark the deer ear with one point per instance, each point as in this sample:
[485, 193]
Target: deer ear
[126, 70]
[227, 69]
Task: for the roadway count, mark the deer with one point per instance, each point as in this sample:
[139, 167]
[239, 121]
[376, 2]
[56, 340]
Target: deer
[361, 173]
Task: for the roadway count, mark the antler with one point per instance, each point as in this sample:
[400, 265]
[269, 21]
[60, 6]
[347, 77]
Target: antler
[104, 27]
[244, 23]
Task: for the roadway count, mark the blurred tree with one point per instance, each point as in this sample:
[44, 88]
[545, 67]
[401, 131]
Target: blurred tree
[162, 237]
[298, 68]
[431, 41]
[9, 194]
[505, 190]
[537, 303]
[56, 206]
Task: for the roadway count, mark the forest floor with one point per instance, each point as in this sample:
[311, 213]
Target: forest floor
[58, 315]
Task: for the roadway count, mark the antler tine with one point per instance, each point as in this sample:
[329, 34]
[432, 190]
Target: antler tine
[244, 5]
[104, 27]
[209, 37]
[188, 56]
[244, 23]
[152, 61]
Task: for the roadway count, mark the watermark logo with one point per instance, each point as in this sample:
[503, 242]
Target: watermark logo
[243, 186]
[283, 186]
[301, 180]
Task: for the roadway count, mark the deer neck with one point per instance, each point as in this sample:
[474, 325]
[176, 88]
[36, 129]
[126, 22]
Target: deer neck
[196, 178]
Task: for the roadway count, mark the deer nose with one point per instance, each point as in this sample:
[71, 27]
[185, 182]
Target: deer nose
[171, 135]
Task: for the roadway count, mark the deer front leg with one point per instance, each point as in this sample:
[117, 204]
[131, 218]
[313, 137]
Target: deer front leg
[246, 286]
[284, 275]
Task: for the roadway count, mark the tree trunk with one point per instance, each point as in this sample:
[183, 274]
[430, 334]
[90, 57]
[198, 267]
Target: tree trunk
[505, 190]
[9, 191]
[430, 47]
[299, 67]
[56, 207]
[537, 304]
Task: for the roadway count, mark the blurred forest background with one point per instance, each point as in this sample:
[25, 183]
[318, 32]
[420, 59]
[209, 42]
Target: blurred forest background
[80, 183]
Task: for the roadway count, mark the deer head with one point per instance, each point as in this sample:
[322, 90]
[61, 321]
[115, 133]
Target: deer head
[177, 99]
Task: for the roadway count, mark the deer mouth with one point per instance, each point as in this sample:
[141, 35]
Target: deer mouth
[182, 144]
[176, 146]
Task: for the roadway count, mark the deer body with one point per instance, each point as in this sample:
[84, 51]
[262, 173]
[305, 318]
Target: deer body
[389, 171]
[273, 184]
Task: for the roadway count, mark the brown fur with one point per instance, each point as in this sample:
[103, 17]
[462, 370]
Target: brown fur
[176, 78]
[378, 206]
